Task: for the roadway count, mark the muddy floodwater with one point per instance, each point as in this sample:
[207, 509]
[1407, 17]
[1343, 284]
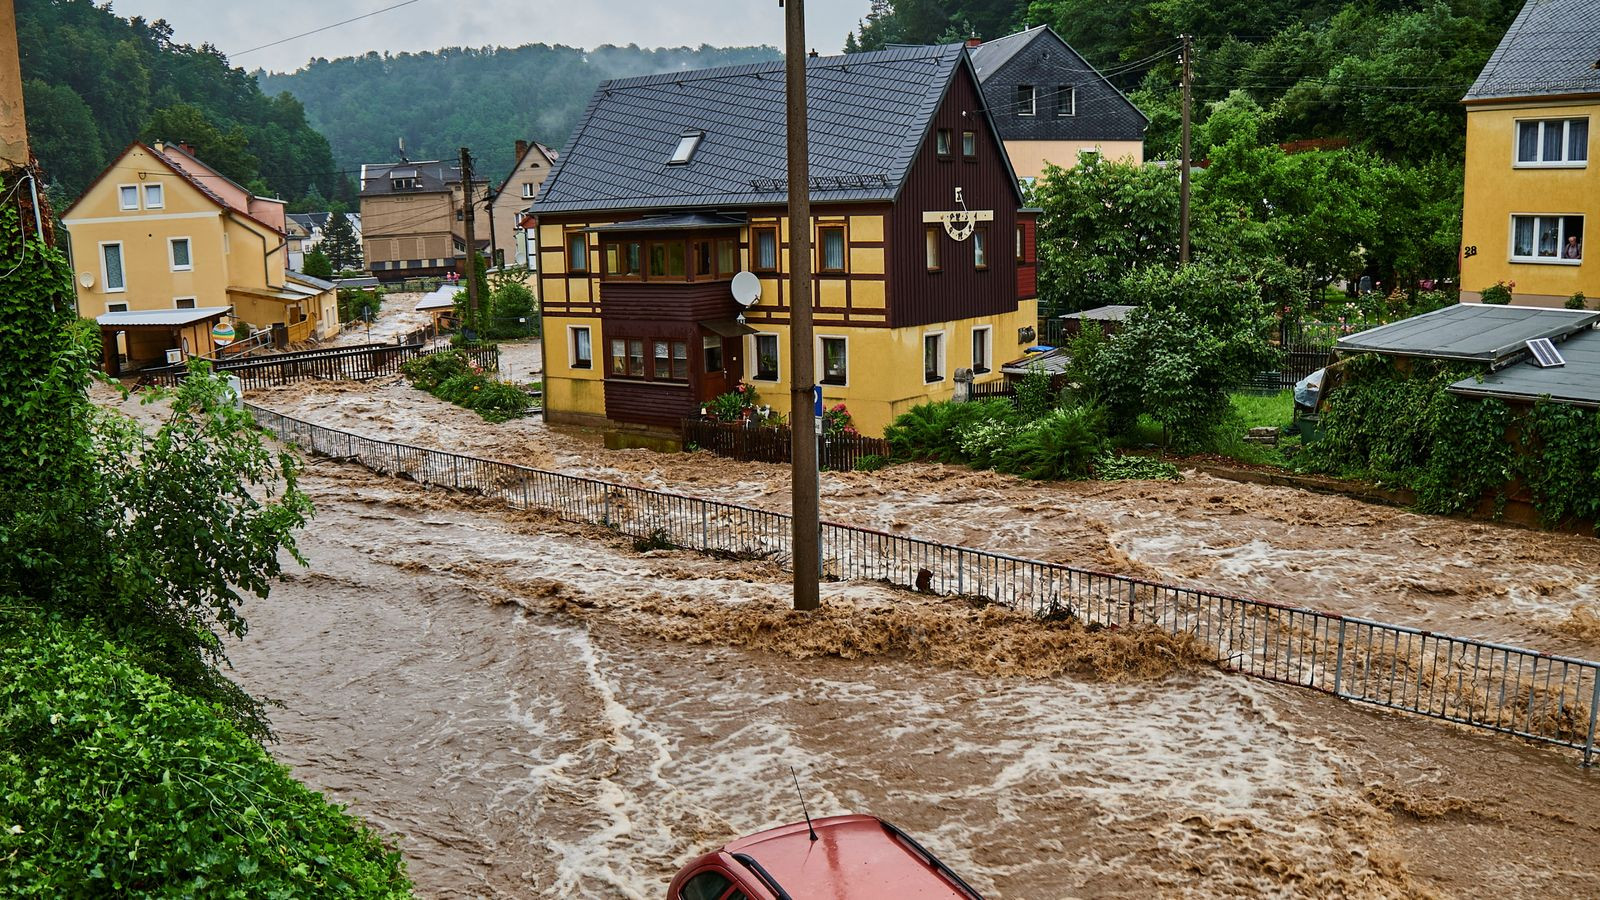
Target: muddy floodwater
[536, 709]
[1473, 579]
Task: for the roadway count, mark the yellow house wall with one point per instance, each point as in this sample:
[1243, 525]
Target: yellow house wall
[151, 282]
[1496, 189]
[1028, 158]
[885, 366]
[573, 394]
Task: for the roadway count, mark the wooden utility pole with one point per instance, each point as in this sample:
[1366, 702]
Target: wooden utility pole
[1183, 175]
[806, 539]
[472, 241]
[13, 124]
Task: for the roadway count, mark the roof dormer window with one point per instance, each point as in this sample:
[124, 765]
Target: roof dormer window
[688, 142]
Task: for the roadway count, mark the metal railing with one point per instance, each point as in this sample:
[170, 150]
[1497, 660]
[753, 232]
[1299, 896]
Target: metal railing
[354, 363]
[1495, 687]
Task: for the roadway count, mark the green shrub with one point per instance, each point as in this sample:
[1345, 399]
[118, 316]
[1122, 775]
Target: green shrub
[1034, 395]
[984, 444]
[1498, 293]
[1060, 445]
[511, 311]
[1115, 467]
[933, 430]
[113, 784]
[872, 462]
[1577, 301]
[428, 372]
[1560, 461]
[498, 401]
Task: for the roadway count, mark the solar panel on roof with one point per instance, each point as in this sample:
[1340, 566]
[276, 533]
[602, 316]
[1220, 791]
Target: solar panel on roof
[1545, 354]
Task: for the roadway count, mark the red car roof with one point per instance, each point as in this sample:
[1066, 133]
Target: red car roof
[854, 858]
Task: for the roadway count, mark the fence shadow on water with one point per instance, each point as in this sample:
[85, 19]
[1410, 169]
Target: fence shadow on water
[1550, 699]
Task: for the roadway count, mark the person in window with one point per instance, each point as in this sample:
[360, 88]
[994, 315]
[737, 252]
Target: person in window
[1573, 249]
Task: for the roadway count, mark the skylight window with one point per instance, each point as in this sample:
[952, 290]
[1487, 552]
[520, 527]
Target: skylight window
[686, 147]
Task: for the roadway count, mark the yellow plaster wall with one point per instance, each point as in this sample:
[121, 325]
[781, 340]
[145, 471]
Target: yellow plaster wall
[568, 390]
[885, 365]
[1028, 158]
[1496, 189]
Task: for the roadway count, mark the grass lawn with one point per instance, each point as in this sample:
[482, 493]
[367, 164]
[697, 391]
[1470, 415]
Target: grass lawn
[1264, 410]
[1248, 411]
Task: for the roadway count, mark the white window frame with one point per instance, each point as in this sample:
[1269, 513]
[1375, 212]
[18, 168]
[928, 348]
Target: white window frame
[122, 204]
[1032, 107]
[983, 336]
[754, 352]
[172, 254]
[529, 189]
[944, 352]
[160, 194]
[683, 151]
[177, 302]
[1070, 108]
[1561, 239]
[822, 361]
[121, 303]
[572, 346]
[1563, 163]
[105, 282]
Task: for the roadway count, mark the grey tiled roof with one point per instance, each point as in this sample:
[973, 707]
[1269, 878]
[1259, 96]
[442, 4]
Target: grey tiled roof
[989, 56]
[868, 115]
[1551, 49]
[432, 175]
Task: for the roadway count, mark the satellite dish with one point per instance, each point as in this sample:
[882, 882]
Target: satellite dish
[746, 288]
[86, 279]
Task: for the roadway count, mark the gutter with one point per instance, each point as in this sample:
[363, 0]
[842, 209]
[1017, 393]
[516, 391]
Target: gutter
[266, 271]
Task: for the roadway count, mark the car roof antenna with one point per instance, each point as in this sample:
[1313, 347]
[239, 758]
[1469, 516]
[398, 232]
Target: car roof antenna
[803, 809]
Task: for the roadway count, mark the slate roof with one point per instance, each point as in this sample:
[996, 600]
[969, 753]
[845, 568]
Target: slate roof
[868, 116]
[989, 56]
[309, 221]
[1576, 383]
[1551, 49]
[1472, 332]
[433, 177]
[1042, 59]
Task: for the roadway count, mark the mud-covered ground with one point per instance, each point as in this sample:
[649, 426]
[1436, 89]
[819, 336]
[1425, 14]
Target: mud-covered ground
[1474, 579]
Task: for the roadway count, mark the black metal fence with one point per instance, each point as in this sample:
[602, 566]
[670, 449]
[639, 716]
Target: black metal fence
[773, 443]
[1494, 687]
[358, 363]
[1299, 361]
[992, 390]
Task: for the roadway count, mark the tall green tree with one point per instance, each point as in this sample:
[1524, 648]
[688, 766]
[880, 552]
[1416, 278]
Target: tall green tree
[339, 241]
[1100, 221]
[226, 151]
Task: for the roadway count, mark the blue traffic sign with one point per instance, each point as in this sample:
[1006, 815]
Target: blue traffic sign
[816, 400]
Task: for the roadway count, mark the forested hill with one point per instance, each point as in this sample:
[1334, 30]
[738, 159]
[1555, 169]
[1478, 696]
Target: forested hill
[486, 99]
[94, 81]
[1386, 74]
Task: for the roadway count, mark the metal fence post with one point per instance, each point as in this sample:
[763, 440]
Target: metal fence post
[1594, 710]
[705, 526]
[1338, 666]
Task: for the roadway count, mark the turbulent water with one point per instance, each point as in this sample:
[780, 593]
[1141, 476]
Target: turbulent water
[538, 710]
[531, 708]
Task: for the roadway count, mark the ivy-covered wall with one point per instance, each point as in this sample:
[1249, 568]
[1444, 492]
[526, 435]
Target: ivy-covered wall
[1397, 425]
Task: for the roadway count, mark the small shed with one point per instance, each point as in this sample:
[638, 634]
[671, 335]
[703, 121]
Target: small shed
[143, 339]
[441, 304]
[1109, 318]
[1470, 332]
[1575, 380]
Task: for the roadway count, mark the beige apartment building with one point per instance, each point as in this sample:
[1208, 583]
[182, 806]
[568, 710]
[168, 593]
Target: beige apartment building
[413, 218]
[515, 245]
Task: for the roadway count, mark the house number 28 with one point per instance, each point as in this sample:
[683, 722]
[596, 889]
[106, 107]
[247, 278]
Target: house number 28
[1469, 251]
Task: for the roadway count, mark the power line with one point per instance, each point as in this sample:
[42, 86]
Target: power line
[296, 37]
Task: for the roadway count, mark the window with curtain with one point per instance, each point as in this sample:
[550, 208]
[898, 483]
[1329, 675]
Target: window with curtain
[980, 248]
[980, 351]
[582, 354]
[577, 253]
[931, 239]
[766, 249]
[1553, 142]
[767, 357]
[832, 242]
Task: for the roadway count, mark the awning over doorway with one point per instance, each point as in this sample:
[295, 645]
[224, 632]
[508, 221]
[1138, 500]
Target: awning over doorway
[727, 327]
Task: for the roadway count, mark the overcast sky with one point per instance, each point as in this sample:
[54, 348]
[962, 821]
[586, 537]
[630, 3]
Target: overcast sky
[235, 26]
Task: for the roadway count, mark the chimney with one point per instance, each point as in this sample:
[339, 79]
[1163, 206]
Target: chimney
[186, 148]
[974, 41]
[522, 150]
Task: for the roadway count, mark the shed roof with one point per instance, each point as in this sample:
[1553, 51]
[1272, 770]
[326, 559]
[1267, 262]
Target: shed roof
[1102, 313]
[1576, 383]
[868, 114]
[1550, 50]
[166, 317]
[442, 297]
[1472, 332]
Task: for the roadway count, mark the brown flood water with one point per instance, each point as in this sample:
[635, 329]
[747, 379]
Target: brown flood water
[535, 709]
[1472, 579]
